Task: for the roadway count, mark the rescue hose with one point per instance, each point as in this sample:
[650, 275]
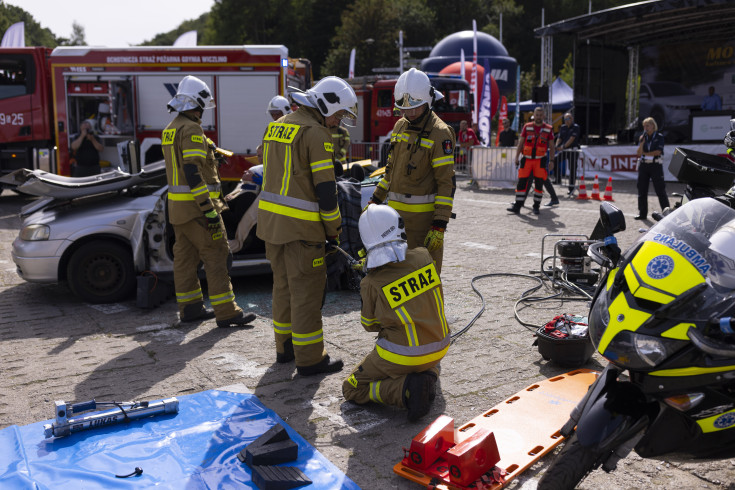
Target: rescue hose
[525, 299]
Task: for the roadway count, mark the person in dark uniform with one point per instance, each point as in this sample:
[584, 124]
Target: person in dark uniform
[650, 168]
[86, 148]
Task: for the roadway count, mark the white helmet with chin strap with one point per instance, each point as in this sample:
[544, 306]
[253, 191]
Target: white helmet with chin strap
[279, 103]
[414, 89]
[329, 96]
[383, 234]
[192, 93]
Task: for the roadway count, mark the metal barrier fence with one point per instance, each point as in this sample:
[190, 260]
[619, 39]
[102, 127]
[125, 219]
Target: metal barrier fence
[495, 166]
[488, 166]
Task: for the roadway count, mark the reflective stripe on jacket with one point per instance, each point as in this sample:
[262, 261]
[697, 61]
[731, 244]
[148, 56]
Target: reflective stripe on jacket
[536, 139]
[403, 302]
[297, 157]
[183, 143]
[421, 163]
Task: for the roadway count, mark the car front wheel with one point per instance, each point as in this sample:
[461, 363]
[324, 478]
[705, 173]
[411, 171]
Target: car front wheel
[101, 272]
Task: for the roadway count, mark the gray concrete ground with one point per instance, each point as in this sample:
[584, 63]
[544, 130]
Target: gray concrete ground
[52, 346]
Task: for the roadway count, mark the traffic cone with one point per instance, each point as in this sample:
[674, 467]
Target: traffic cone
[582, 190]
[596, 190]
[608, 190]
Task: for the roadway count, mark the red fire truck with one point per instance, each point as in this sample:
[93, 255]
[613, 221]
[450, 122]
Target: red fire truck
[375, 107]
[45, 95]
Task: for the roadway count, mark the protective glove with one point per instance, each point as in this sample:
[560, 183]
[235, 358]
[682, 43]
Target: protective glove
[435, 238]
[214, 225]
[730, 139]
[359, 265]
[331, 245]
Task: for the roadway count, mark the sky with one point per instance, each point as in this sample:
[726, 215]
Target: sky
[113, 23]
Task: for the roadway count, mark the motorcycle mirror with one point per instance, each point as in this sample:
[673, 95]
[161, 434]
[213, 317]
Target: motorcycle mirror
[611, 218]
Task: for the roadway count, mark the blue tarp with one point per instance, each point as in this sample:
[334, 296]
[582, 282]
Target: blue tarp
[194, 449]
[562, 98]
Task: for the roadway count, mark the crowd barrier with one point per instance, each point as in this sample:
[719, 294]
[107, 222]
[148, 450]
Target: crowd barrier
[495, 166]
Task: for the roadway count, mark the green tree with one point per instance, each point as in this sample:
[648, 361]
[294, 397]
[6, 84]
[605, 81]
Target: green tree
[77, 36]
[567, 71]
[35, 35]
[372, 27]
[168, 38]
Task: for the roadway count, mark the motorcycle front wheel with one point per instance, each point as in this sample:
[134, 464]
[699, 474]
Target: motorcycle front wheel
[573, 463]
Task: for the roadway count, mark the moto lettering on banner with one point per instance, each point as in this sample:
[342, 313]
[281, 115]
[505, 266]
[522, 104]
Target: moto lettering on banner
[411, 285]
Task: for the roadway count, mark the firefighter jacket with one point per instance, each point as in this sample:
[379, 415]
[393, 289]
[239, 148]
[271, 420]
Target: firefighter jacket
[536, 139]
[419, 176]
[403, 302]
[298, 200]
[191, 170]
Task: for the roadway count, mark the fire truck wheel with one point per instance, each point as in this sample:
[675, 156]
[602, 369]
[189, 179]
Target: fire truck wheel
[101, 272]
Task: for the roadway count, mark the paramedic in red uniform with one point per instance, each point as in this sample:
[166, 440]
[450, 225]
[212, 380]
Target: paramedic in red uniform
[536, 139]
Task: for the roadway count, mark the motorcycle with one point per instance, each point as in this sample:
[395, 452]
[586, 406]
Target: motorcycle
[664, 312]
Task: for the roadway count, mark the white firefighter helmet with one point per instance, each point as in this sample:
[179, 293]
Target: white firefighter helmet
[191, 94]
[279, 103]
[414, 89]
[383, 234]
[329, 96]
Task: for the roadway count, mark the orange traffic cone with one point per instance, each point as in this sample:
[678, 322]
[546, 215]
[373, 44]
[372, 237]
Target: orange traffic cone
[596, 190]
[608, 190]
[582, 189]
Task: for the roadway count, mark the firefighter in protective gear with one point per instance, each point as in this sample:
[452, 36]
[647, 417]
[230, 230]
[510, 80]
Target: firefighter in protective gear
[341, 143]
[536, 139]
[194, 207]
[419, 178]
[401, 301]
[298, 214]
[278, 107]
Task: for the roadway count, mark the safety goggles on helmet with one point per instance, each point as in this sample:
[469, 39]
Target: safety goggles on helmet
[408, 102]
[348, 117]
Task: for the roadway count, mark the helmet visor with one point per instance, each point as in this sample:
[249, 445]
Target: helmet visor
[405, 101]
[348, 117]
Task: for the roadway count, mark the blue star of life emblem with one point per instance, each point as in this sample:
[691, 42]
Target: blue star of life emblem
[725, 420]
[660, 267]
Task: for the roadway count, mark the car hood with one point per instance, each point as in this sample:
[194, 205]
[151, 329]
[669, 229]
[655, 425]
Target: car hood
[49, 185]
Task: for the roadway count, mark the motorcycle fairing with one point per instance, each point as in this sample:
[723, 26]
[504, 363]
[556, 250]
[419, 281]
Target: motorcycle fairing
[657, 275]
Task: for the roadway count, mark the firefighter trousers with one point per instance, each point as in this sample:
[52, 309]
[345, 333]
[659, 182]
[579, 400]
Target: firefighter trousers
[417, 227]
[381, 381]
[194, 244]
[299, 279]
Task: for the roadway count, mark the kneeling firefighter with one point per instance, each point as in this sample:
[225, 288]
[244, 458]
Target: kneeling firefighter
[194, 208]
[419, 176]
[401, 301]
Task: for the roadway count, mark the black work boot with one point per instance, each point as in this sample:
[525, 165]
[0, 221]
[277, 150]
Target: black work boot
[416, 395]
[242, 319]
[287, 355]
[515, 208]
[536, 209]
[326, 365]
[196, 312]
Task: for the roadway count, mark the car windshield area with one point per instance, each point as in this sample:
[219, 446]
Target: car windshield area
[669, 89]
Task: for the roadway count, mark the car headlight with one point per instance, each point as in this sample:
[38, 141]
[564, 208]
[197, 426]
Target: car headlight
[632, 350]
[34, 233]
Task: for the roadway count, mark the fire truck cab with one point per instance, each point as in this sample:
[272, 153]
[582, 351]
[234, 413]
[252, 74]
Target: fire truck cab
[123, 92]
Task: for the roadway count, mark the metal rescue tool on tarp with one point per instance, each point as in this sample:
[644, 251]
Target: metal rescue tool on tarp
[66, 423]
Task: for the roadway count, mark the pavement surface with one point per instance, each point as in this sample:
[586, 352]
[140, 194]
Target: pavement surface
[53, 346]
